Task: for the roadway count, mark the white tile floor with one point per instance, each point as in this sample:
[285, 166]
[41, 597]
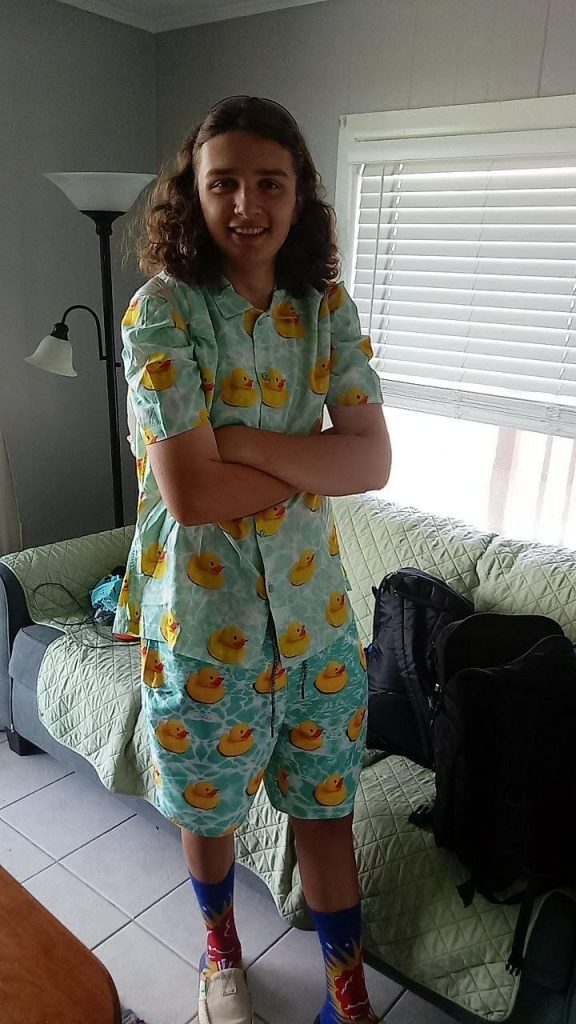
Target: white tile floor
[119, 883]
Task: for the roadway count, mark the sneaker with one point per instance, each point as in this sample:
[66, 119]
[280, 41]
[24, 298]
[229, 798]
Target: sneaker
[223, 997]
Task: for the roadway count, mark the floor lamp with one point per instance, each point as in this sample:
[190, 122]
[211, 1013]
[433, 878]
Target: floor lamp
[103, 198]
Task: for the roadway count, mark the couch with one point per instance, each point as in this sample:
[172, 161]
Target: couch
[67, 688]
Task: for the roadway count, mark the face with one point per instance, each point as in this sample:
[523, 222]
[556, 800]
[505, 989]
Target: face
[247, 189]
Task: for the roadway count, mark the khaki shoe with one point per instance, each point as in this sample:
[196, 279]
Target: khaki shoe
[224, 998]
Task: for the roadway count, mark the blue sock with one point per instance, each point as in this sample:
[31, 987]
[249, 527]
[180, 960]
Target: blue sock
[340, 938]
[216, 902]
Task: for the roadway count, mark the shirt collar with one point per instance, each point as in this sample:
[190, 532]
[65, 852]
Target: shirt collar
[227, 299]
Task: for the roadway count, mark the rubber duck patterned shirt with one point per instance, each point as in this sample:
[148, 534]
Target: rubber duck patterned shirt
[193, 353]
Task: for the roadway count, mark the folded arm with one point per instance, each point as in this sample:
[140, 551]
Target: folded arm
[353, 457]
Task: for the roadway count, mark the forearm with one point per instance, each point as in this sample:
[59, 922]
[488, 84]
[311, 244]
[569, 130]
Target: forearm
[229, 491]
[327, 463]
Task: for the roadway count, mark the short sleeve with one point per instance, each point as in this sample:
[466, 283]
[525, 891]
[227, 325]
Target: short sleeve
[164, 379]
[352, 379]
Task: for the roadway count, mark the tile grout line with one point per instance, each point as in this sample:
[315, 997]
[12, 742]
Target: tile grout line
[12, 803]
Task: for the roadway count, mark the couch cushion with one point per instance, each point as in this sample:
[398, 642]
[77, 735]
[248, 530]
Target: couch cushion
[378, 537]
[28, 651]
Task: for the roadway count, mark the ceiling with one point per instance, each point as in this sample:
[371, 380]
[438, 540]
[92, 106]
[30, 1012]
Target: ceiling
[162, 15]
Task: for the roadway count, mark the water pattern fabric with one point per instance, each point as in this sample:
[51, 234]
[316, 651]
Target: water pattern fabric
[194, 354]
[217, 734]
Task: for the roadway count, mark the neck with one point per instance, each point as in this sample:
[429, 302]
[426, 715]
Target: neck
[256, 285]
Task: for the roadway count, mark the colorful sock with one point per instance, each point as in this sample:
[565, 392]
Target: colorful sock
[340, 938]
[216, 902]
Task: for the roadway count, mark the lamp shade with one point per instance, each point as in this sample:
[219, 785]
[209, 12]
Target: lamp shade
[55, 355]
[91, 190]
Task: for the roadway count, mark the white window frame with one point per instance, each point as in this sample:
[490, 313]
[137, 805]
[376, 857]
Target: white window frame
[512, 128]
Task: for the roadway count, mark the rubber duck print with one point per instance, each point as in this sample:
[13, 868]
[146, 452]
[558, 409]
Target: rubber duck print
[202, 418]
[179, 321]
[261, 587]
[153, 561]
[353, 396]
[207, 378]
[170, 628]
[238, 740]
[313, 501]
[134, 617]
[362, 656]
[141, 466]
[287, 320]
[238, 529]
[254, 784]
[355, 724]
[130, 318]
[148, 435]
[152, 667]
[307, 736]
[249, 320]
[124, 591]
[159, 374]
[203, 795]
[333, 678]
[333, 546]
[206, 686]
[365, 346]
[283, 781]
[206, 570]
[228, 645]
[335, 296]
[273, 387]
[319, 377]
[336, 609]
[269, 520]
[173, 735]
[156, 775]
[332, 791]
[238, 389]
[263, 683]
[303, 570]
[295, 640]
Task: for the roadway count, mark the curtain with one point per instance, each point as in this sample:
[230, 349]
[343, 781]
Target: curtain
[10, 527]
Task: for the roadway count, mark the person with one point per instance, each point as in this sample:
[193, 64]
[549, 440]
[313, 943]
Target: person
[252, 669]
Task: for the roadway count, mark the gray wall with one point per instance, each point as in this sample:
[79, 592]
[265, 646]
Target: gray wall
[76, 93]
[354, 56]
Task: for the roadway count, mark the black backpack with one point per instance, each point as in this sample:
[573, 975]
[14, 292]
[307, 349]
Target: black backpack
[504, 740]
[411, 610]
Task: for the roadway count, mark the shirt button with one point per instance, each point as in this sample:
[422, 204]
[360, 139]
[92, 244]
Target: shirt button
[270, 588]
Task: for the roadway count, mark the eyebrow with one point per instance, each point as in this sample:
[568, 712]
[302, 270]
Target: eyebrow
[276, 172]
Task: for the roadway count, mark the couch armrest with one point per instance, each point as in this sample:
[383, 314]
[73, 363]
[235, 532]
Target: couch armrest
[13, 616]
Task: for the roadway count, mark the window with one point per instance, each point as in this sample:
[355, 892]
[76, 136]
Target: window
[459, 234]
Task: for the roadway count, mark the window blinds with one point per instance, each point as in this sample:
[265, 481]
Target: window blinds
[464, 274]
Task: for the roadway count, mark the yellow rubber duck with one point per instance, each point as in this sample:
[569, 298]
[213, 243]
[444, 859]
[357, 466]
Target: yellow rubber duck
[261, 587]
[263, 683]
[273, 387]
[134, 616]
[206, 570]
[124, 590]
[238, 529]
[178, 320]
[335, 296]
[254, 784]
[230, 831]
[362, 656]
[206, 686]
[303, 570]
[238, 389]
[148, 436]
[130, 318]
[203, 795]
[153, 561]
[207, 384]
[313, 501]
[287, 320]
[295, 640]
[355, 724]
[159, 373]
[238, 740]
[307, 736]
[173, 735]
[156, 775]
[336, 609]
[333, 546]
[228, 645]
[333, 678]
[202, 417]
[365, 346]
[283, 781]
[170, 628]
[319, 377]
[269, 520]
[353, 396]
[249, 319]
[332, 791]
[141, 466]
[152, 667]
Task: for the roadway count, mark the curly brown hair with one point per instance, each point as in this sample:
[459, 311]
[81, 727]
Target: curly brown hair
[174, 235]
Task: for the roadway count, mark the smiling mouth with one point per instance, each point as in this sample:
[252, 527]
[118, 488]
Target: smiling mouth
[248, 232]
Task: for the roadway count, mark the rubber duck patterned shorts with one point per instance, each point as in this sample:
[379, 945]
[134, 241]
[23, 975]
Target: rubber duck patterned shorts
[217, 732]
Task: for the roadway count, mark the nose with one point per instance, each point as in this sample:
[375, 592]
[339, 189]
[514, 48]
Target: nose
[246, 202]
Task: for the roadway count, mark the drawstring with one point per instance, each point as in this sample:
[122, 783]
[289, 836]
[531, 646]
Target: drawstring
[303, 678]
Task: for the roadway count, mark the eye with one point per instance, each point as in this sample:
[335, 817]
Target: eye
[270, 185]
[222, 184]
